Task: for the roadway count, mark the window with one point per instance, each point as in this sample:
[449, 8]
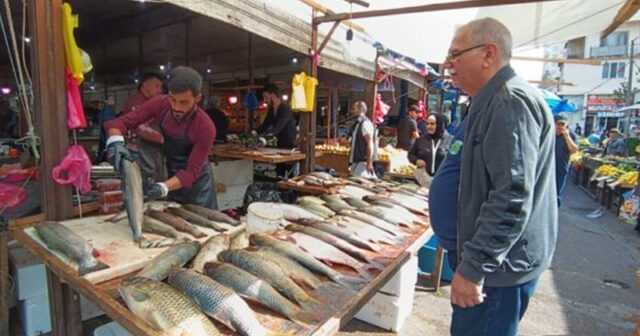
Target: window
[615, 39]
[613, 70]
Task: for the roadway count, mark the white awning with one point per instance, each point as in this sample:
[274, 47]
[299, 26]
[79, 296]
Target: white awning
[630, 107]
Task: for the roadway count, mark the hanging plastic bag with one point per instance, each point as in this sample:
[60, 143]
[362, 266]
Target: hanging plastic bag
[11, 195]
[75, 111]
[74, 169]
[73, 55]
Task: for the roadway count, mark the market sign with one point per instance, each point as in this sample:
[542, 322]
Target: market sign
[610, 114]
[603, 103]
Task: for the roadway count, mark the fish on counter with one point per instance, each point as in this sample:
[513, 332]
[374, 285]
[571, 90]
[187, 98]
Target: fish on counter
[295, 271]
[328, 253]
[176, 256]
[338, 207]
[294, 252]
[375, 220]
[340, 232]
[355, 191]
[294, 212]
[165, 308]
[322, 175]
[332, 240]
[249, 286]
[162, 242]
[209, 251]
[356, 202]
[336, 199]
[152, 225]
[214, 215]
[60, 238]
[311, 199]
[176, 222]
[196, 219]
[133, 197]
[317, 209]
[269, 271]
[160, 205]
[239, 240]
[218, 302]
[365, 230]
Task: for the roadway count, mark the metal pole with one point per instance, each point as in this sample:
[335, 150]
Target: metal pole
[630, 87]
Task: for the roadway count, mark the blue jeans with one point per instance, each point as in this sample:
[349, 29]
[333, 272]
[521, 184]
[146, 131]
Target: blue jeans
[561, 184]
[498, 315]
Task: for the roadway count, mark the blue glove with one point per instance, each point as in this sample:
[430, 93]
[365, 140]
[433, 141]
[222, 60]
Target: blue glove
[116, 151]
[157, 191]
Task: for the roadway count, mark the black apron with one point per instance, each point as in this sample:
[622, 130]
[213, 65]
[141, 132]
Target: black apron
[177, 150]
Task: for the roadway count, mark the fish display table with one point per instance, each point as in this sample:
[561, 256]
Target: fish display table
[117, 251]
[265, 155]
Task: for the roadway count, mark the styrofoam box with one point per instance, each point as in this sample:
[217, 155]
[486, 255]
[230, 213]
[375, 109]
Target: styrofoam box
[34, 314]
[111, 329]
[28, 273]
[404, 280]
[236, 176]
[386, 311]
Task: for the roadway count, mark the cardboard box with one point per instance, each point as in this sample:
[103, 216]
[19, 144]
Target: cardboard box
[386, 311]
[35, 316]
[405, 279]
[29, 274]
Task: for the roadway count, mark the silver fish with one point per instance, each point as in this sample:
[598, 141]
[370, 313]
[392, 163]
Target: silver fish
[160, 205]
[294, 252]
[254, 288]
[176, 256]
[60, 238]
[176, 222]
[165, 308]
[152, 225]
[340, 232]
[209, 251]
[365, 230]
[239, 240]
[294, 270]
[322, 175]
[214, 215]
[317, 209]
[336, 242]
[163, 242]
[133, 197]
[356, 202]
[267, 270]
[311, 199]
[294, 212]
[376, 221]
[196, 219]
[218, 301]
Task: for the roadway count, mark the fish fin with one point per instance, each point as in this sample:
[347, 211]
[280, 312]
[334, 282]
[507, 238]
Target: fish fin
[302, 281]
[364, 273]
[82, 270]
[139, 295]
[375, 264]
[351, 282]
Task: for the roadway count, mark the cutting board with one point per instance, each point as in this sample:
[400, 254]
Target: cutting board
[114, 243]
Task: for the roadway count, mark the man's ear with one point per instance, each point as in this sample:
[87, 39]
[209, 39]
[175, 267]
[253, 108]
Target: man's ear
[491, 54]
[198, 97]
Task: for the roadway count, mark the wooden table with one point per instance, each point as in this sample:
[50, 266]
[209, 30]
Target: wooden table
[265, 155]
[104, 295]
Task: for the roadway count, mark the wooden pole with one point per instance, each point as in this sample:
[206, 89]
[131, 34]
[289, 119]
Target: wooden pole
[329, 111]
[51, 118]
[250, 112]
[187, 31]
[307, 120]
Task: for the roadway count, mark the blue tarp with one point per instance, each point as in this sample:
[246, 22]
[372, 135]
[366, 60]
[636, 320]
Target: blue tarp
[557, 104]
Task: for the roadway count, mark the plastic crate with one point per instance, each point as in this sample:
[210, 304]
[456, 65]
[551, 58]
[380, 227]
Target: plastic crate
[427, 256]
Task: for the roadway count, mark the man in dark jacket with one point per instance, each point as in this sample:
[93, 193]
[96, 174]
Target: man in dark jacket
[507, 227]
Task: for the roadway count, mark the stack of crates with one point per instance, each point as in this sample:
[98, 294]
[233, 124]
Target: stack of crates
[110, 196]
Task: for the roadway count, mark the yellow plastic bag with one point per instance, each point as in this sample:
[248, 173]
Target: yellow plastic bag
[73, 56]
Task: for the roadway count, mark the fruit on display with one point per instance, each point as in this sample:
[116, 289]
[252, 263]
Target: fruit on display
[610, 171]
[407, 169]
[333, 149]
[576, 157]
[629, 179]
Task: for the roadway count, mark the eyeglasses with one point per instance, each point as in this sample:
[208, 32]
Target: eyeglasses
[455, 54]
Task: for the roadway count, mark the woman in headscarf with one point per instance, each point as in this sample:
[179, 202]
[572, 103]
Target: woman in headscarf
[429, 150]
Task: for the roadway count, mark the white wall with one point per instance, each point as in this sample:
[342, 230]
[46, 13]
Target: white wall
[587, 79]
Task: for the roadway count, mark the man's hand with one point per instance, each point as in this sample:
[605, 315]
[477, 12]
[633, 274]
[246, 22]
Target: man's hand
[465, 293]
[157, 191]
[370, 167]
[565, 131]
[420, 163]
[116, 151]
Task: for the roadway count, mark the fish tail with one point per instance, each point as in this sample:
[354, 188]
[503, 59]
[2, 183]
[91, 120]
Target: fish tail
[364, 273]
[305, 318]
[350, 282]
[83, 269]
[375, 264]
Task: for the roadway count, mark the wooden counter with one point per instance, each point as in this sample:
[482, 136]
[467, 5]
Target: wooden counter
[265, 155]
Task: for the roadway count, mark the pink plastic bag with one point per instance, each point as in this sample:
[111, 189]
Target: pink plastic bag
[77, 168]
[11, 195]
[75, 111]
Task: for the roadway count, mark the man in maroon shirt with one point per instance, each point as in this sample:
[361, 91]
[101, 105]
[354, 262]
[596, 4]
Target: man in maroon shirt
[188, 138]
[146, 142]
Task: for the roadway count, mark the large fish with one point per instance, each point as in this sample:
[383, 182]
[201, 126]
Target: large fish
[342, 233]
[166, 308]
[356, 202]
[311, 199]
[317, 209]
[209, 251]
[397, 216]
[218, 302]
[267, 270]
[337, 207]
[133, 197]
[365, 230]
[254, 288]
[239, 240]
[196, 219]
[176, 222]
[60, 238]
[329, 253]
[336, 199]
[294, 212]
[214, 215]
[294, 252]
[373, 220]
[176, 256]
[336, 242]
[355, 191]
[294, 270]
[413, 201]
[395, 204]
[152, 225]
[162, 242]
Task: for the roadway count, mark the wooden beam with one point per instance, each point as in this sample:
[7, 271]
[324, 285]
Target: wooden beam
[558, 60]
[551, 82]
[324, 10]
[327, 37]
[358, 2]
[421, 9]
[629, 9]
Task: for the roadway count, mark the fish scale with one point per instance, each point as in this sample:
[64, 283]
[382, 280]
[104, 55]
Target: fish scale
[292, 268]
[133, 197]
[175, 256]
[267, 270]
[166, 308]
[218, 301]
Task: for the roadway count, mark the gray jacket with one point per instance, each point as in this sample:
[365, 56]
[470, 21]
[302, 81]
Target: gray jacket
[508, 225]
